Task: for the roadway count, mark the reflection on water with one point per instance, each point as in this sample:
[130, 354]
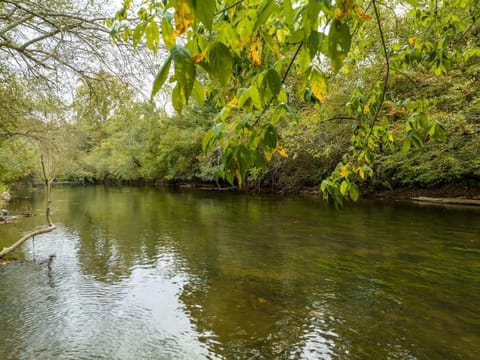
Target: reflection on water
[140, 273]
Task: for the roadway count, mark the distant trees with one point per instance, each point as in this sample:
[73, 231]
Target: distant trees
[45, 47]
[116, 137]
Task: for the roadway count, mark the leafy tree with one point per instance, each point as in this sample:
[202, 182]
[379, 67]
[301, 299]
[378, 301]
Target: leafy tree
[42, 43]
[242, 56]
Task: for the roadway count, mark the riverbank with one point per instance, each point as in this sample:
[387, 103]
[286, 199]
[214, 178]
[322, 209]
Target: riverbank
[450, 191]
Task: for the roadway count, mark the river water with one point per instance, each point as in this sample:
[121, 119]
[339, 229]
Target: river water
[140, 273]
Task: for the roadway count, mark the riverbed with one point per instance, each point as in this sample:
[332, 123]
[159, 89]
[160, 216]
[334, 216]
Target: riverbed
[142, 273]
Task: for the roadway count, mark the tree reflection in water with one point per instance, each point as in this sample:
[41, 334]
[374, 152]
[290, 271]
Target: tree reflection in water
[237, 276]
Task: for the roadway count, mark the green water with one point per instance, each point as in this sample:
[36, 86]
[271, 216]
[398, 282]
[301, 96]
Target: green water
[157, 274]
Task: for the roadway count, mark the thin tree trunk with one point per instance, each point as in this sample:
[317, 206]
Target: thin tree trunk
[50, 225]
[48, 190]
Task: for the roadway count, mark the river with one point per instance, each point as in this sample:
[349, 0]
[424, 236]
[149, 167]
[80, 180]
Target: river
[140, 273]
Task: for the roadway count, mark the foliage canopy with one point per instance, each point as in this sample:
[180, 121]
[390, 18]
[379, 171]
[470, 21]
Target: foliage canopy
[248, 58]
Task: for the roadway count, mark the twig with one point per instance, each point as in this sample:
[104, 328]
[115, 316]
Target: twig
[387, 64]
[229, 7]
[338, 117]
[282, 82]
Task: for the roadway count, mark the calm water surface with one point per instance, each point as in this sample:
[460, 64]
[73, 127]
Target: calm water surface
[156, 274]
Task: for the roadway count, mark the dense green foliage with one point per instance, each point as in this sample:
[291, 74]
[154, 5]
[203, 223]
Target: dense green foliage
[258, 53]
[337, 95]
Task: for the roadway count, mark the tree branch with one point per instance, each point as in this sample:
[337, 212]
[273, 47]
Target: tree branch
[9, 249]
[338, 117]
[15, 24]
[387, 63]
[292, 61]
[229, 7]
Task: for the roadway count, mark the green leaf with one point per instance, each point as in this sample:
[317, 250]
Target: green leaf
[288, 11]
[266, 9]
[208, 140]
[108, 22]
[274, 82]
[438, 132]
[353, 192]
[138, 34]
[270, 137]
[184, 72]
[205, 11]
[244, 27]
[121, 14]
[314, 41]
[178, 101]
[413, 138]
[260, 161]
[406, 145]
[244, 159]
[344, 187]
[152, 36]
[471, 53]
[245, 120]
[161, 77]
[255, 96]
[168, 34]
[142, 14]
[339, 42]
[296, 37]
[220, 63]
[198, 93]
[421, 120]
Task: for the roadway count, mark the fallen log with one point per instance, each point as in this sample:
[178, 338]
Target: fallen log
[449, 201]
[19, 242]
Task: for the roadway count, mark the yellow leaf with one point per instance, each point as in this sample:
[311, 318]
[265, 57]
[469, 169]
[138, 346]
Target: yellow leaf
[183, 17]
[339, 13]
[255, 52]
[411, 41]
[232, 103]
[360, 13]
[281, 151]
[282, 35]
[361, 172]
[199, 57]
[366, 109]
[343, 171]
[347, 8]
[318, 85]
